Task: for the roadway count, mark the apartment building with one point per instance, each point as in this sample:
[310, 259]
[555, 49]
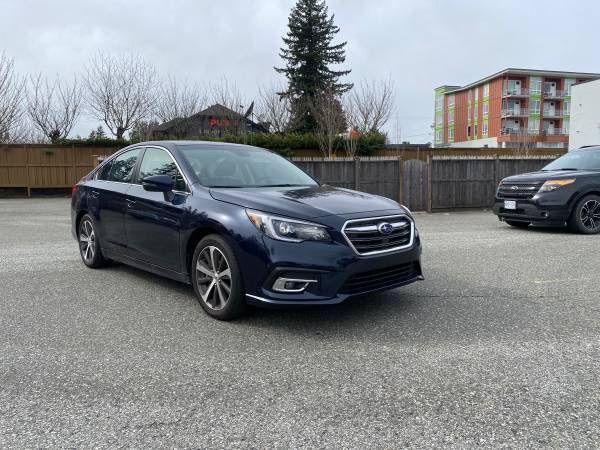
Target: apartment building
[514, 108]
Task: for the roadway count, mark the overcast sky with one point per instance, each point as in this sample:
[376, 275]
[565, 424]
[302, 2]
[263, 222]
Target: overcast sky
[420, 44]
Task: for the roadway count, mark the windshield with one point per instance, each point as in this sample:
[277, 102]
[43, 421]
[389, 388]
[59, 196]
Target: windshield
[576, 160]
[242, 166]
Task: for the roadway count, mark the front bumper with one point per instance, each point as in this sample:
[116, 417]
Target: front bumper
[537, 210]
[339, 272]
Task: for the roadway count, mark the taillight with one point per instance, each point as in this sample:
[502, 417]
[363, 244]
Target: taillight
[74, 190]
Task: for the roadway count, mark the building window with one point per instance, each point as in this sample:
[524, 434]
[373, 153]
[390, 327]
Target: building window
[475, 135]
[486, 90]
[439, 102]
[438, 135]
[534, 107]
[475, 113]
[566, 126]
[486, 107]
[450, 134]
[484, 128]
[534, 125]
[566, 108]
[451, 116]
[450, 100]
[468, 131]
[568, 83]
[535, 85]
[476, 94]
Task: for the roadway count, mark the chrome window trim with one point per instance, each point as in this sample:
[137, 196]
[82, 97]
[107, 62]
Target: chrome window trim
[387, 250]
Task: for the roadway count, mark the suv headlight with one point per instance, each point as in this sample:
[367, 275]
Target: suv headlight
[552, 185]
[290, 230]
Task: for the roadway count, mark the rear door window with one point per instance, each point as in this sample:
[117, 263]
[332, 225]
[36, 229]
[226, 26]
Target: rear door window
[123, 165]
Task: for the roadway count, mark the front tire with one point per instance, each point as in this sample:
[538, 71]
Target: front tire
[217, 279]
[89, 243]
[585, 218]
[517, 224]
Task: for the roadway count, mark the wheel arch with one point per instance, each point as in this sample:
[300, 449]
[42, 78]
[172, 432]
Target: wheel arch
[196, 236]
[579, 196]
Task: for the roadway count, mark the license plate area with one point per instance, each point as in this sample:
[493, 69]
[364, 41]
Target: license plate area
[510, 204]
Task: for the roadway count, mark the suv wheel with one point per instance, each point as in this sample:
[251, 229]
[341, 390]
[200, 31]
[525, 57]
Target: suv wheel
[586, 215]
[89, 243]
[217, 279]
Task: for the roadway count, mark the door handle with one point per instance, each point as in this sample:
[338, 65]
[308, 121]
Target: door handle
[95, 194]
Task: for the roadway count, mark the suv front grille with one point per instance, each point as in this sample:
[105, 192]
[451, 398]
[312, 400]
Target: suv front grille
[380, 279]
[366, 238]
[519, 189]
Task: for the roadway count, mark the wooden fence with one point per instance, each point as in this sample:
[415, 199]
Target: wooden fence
[436, 184]
[46, 166]
[433, 182]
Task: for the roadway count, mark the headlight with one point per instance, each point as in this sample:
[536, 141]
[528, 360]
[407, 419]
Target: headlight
[552, 185]
[287, 229]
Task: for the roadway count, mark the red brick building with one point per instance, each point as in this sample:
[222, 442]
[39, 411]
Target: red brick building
[514, 108]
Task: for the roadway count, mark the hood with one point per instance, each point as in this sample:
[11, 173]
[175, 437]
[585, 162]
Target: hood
[304, 202]
[547, 175]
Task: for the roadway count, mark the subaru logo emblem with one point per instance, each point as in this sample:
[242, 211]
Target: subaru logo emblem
[385, 228]
[514, 188]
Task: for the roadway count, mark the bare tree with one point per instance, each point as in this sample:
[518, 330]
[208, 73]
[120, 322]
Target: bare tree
[12, 89]
[178, 99]
[273, 109]
[54, 107]
[121, 91]
[370, 105]
[329, 117]
[226, 93]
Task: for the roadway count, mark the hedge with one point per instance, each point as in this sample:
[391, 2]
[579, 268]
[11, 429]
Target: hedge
[284, 143]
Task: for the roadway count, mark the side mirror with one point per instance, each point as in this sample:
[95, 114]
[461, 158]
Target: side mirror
[158, 183]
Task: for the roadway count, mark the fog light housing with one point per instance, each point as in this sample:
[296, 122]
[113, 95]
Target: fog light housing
[291, 285]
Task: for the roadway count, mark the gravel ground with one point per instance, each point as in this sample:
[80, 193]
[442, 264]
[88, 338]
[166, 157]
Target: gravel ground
[498, 347]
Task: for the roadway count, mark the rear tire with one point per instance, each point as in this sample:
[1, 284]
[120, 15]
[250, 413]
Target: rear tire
[585, 218]
[89, 243]
[517, 224]
[217, 279]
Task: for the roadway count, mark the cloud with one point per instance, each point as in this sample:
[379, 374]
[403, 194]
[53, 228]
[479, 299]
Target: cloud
[419, 44]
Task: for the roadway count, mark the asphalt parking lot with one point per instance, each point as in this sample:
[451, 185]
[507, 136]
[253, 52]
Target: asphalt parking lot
[499, 346]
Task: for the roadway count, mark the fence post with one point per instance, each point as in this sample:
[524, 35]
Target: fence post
[429, 184]
[496, 169]
[357, 174]
[400, 179]
[27, 161]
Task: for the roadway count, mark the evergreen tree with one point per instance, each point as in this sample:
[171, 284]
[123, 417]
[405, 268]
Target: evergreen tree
[308, 53]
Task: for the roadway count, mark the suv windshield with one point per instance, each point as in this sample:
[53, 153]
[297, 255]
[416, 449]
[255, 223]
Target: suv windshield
[577, 160]
[242, 166]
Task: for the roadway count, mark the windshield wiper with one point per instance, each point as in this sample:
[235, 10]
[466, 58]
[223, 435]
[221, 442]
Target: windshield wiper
[225, 186]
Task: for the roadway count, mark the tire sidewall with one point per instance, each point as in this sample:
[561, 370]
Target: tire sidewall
[575, 222]
[237, 301]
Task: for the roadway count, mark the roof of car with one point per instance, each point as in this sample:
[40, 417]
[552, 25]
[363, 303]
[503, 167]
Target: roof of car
[171, 144]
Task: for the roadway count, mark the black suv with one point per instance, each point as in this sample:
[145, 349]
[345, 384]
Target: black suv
[564, 193]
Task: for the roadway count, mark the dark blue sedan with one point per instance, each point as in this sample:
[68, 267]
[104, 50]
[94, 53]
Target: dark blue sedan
[243, 225]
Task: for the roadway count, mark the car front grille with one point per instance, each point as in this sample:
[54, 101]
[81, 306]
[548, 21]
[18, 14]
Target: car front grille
[519, 189]
[380, 279]
[365, 237]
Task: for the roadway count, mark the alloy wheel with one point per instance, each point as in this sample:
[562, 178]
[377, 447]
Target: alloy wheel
[590, 215]
[87, 241]
[213, 277]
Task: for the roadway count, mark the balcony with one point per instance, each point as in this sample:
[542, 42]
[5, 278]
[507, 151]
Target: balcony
[552, 113]
[515, 92]
[515, 112]
[553, 94]
[554, 132]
